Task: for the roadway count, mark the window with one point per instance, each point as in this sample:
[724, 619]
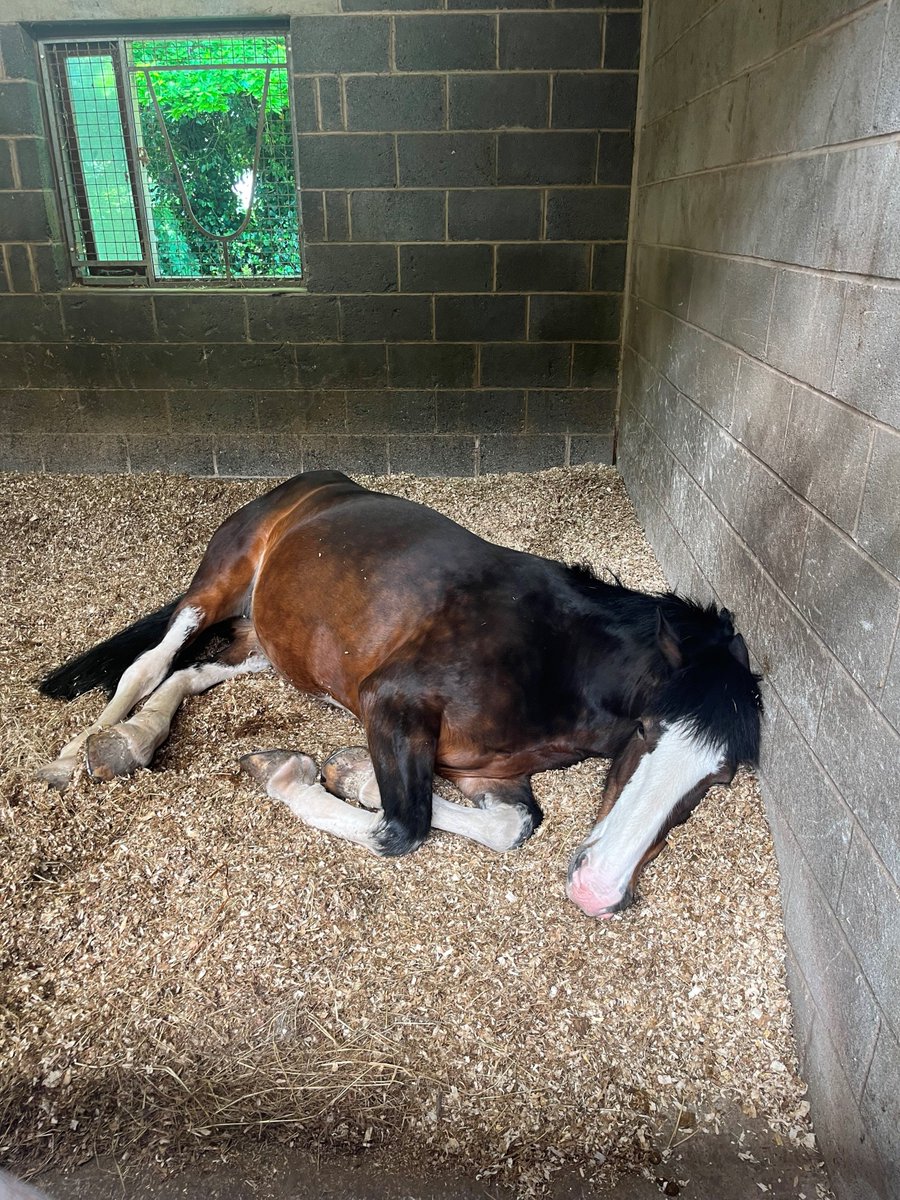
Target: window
[176, 156]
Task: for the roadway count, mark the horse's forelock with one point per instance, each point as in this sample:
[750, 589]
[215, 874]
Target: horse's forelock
[720, 700]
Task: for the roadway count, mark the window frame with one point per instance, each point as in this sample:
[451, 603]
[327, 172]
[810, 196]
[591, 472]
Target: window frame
[143, 272]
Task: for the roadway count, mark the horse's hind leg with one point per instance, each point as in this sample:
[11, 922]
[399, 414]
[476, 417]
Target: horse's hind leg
[211, 598]
[122, 748]
[219, 591]
[137, 681]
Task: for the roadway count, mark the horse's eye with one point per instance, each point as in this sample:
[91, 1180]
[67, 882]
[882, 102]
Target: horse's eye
[640, 731]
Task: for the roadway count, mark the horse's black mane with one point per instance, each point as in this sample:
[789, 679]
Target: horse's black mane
[713, 691]
[694, 625]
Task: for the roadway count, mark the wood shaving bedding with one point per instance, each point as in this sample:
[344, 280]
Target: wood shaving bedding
[184, 965]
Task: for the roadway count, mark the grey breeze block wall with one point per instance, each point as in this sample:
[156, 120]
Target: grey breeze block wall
[759, 438]
[465, 188]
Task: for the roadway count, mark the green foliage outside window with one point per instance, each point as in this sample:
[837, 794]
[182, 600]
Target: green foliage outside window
[211, 115]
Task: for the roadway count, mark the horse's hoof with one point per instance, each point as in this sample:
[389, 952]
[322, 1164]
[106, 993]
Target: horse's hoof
[349, 774]
[57, 774]
[109, 755]
[261, 765]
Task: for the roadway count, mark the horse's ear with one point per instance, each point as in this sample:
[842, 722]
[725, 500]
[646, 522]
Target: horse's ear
[667, 640]
[738, 648]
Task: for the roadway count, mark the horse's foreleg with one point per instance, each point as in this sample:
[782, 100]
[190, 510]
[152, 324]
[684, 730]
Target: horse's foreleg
[403, 764]
[122, 748]
[402, 736]
[292, 778]
[507, 813]
[139, 680]
[349, 775]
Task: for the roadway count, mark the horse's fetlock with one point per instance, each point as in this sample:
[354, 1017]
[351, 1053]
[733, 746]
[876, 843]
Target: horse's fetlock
[393, 838]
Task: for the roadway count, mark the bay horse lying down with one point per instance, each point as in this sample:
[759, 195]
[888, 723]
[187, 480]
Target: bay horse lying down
[462, 658]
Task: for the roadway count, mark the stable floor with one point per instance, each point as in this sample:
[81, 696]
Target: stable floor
[188, 972]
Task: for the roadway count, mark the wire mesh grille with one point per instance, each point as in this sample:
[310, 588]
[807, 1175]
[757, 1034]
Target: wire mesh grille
[255, 50]
[99, 170]
[177, 154]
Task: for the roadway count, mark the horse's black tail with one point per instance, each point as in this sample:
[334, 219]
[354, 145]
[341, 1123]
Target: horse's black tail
[104, 665]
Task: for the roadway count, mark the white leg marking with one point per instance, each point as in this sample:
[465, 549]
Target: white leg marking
[314, 806]
[617, 844]
[138, 681]
[497, 825]
[500, 826]
[146, 731]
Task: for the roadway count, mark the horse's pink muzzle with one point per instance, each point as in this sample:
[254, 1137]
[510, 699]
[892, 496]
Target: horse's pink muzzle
[593, 893]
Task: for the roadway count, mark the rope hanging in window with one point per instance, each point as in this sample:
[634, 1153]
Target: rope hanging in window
[223, 239]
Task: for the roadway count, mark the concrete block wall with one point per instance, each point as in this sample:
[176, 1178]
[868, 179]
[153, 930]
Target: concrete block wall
[465, 177]
[760, 440]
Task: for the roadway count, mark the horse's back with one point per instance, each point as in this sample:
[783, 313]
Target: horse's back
[223, 582]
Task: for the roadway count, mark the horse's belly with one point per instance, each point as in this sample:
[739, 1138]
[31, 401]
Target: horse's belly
[382, 589]
[327, 617]
[455, 761]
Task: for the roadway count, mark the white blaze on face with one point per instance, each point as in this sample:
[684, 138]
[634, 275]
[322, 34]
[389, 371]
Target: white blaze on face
[611, 852]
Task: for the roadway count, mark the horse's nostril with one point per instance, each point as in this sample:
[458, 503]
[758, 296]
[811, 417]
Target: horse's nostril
[576, 863]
